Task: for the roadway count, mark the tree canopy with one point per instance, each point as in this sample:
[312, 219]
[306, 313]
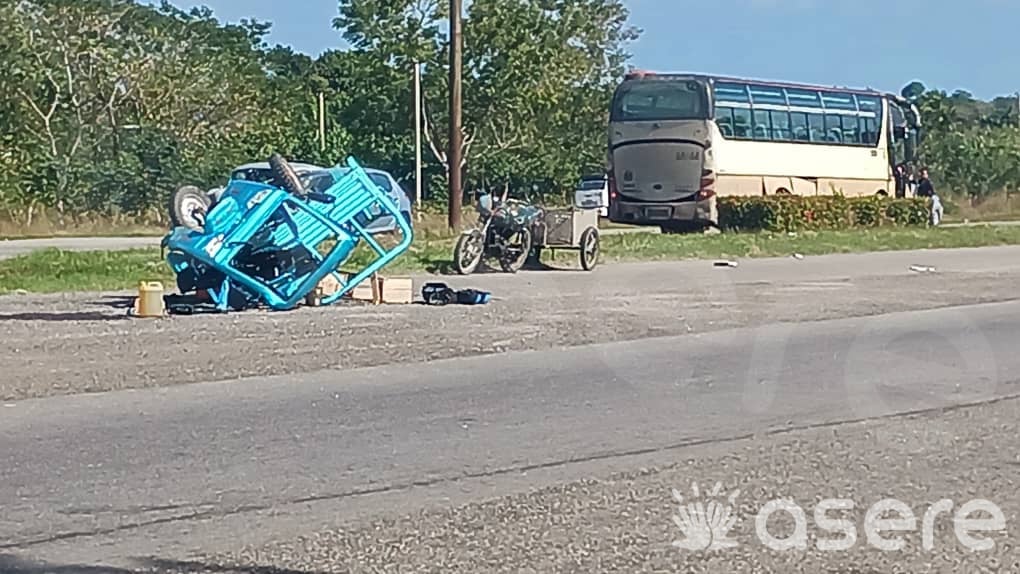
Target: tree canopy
[107, 106]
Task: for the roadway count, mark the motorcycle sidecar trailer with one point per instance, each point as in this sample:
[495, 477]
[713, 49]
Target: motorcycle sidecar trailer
[571, 228]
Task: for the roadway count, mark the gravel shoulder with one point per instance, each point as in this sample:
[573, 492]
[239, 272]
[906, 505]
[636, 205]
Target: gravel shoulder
[68, 344]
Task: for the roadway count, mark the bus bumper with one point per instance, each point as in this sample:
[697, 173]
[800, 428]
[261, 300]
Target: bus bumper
[704, 213]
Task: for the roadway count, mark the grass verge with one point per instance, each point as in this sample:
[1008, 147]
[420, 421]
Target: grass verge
[52, 270]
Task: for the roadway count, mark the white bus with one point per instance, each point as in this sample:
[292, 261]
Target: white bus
[677, 141]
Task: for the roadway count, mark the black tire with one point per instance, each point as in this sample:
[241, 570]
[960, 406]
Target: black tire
[284, 175]
[187, 205]
[514, 265]
[589, 249]
[465, 241]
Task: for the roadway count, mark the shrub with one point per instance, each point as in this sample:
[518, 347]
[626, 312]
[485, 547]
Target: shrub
[797, 213]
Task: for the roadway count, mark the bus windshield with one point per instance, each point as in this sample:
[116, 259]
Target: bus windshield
[660, 99]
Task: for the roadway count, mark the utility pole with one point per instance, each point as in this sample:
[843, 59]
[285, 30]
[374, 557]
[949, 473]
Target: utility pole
[417, 139]
[322, 121]
[455, 150]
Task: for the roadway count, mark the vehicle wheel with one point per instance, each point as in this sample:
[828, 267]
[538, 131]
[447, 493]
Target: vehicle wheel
[188, 206]
[677, 227]
[589, 249]
[467, 254]
[284, 175]
[512, 264]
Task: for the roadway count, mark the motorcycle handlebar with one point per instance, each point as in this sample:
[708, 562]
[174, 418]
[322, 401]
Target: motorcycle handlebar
[320, 197]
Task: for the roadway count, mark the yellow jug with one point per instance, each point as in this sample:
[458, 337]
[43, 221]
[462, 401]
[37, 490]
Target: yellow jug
[150, 300]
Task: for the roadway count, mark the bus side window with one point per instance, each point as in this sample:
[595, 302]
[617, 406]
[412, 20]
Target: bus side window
[742, 123]
[833, 128]
[851, 132]
[724, 119]
[816, 126]
[780, 125]
[869, 135]
[762, 125]
[798, 123]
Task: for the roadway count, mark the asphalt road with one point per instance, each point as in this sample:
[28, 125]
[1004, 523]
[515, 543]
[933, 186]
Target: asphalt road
[161, 476]
[13, 248]
[16, 247]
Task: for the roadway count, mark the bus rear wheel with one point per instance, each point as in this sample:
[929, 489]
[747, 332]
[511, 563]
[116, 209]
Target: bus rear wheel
[676, 227]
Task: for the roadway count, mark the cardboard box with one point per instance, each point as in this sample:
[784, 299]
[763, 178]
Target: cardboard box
[328, 286]
[365, 291]
[396, 290]
[376, 289]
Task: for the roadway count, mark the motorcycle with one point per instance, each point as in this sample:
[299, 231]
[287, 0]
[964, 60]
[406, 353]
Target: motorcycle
[505, 231]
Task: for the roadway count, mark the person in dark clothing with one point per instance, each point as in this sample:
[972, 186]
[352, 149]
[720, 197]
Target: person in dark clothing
[901, 180]
[926, 189]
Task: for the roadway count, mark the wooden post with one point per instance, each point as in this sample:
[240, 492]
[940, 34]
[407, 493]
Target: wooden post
[322, 121]
[417, 139]
[455, 151]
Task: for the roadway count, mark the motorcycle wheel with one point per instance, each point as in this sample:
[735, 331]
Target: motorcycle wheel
[284, 175]
[188, 206]
[516, 256]
[467, 254]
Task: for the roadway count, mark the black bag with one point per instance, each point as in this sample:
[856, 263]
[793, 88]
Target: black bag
[443, 294]
[438, 294]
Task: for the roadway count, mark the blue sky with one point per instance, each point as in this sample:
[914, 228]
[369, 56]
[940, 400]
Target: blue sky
[861, 43]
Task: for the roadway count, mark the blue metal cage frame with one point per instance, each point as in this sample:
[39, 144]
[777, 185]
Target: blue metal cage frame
[269, 219]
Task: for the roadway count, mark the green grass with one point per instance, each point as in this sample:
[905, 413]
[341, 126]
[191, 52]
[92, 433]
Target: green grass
[53, 270]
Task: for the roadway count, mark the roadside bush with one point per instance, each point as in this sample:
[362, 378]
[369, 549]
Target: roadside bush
[799, 213]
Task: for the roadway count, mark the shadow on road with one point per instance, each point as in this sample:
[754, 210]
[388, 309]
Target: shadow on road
[68, 316]
[14, 565]
[116, 301]
[445, 267]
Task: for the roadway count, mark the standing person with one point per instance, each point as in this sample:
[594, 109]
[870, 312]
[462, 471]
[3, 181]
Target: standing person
[926, 189]
[901, 180]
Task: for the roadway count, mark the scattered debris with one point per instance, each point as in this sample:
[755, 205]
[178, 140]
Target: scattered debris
[443, 294]
[725, 263]
[150, 302]
[922, 269]
[798, 256]
[376, 289]
[20, 292]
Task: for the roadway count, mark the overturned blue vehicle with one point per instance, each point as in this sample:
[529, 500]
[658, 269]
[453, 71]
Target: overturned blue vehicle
[271, 244]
